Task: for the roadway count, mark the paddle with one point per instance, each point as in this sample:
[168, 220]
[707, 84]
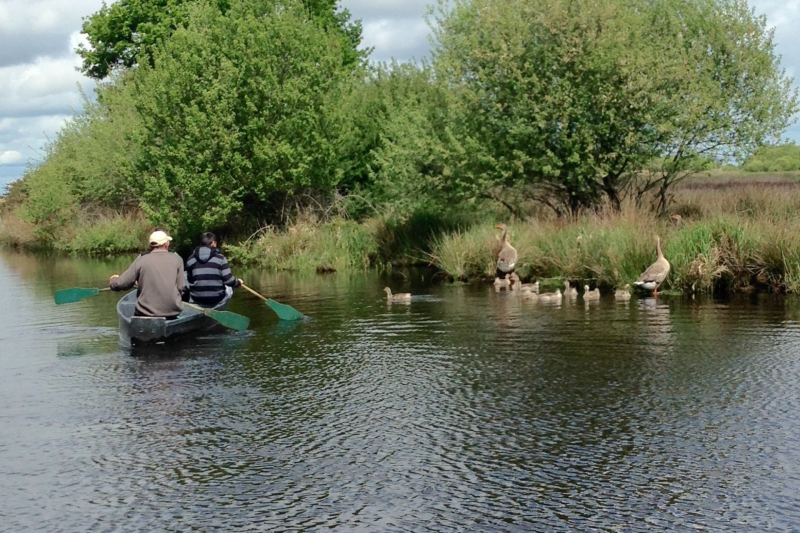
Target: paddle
[226, 318]
[284, 312]
[68, 296]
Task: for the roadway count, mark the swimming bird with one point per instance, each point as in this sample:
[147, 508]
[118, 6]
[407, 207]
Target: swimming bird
[569, 292]
[501, 283]
[507, 257]
[530, 287]
[655, 273]
[401, 297]
[590, 295]
[530, 296]
[513, 281]
[624, 294]
[550, 296]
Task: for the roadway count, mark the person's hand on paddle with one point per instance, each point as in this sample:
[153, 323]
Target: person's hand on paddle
[115, 276]
[240, 282]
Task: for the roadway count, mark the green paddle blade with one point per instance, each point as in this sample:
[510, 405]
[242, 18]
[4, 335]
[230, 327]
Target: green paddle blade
[68, 296]
[228, 319]
[284, 312]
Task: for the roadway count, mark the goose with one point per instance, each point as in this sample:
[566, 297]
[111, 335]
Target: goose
[550, 296]
[513, 281]
[624, 294]
[507, 257]
[570, 292]
[655, 273]
[590, 295]
[401, 297]
[676, 219]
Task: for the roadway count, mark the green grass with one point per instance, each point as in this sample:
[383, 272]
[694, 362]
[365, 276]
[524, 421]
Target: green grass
[712, 251]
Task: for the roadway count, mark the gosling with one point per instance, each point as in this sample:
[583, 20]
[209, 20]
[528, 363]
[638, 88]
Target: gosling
[590, 295]
[624, 294]
[570, 292]
[401, 297]
[551, 296]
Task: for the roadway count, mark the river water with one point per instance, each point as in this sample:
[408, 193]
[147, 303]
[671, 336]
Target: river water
[465, 410]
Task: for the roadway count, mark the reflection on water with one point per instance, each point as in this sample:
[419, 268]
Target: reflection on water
[464, 410]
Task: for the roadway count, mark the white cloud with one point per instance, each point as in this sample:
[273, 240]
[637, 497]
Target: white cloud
[34, 28]
[9, 157]
[402, 39]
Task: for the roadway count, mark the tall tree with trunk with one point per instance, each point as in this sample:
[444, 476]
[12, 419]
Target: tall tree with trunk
[570, 102]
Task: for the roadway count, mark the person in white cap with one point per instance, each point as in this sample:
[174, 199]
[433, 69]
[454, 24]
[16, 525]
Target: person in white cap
[159, 276]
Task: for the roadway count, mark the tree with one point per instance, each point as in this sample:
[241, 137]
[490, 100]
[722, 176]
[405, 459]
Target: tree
[568, 102]
[127, 31]
[238, 108]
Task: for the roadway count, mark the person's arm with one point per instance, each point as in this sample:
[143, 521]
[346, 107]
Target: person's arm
[181, 281]
[190, 269]
[126, 280]
[227, 275]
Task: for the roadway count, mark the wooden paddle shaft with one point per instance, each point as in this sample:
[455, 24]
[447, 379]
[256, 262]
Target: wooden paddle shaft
[251, 291]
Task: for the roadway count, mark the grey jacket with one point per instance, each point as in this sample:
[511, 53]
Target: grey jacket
[208, 273]
[160, 277]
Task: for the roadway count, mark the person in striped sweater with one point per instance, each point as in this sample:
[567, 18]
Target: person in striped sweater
[209, 274]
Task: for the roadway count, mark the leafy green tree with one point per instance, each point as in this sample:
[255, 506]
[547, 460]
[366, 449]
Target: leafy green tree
[568, 102]
[127, 31]
[391, 152]
[238, 108]
[781, 158]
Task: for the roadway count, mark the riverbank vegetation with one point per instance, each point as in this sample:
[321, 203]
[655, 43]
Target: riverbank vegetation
[263, 121]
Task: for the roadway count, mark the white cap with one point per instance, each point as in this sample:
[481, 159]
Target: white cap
[159, 238]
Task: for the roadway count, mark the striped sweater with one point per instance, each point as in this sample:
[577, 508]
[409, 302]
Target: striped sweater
[208, 272]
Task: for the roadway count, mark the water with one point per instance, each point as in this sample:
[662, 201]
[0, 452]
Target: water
[465, 410]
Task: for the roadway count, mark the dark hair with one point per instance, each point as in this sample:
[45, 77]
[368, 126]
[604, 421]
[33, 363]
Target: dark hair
[208, 238]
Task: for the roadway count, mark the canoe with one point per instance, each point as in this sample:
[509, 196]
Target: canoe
[140, 330]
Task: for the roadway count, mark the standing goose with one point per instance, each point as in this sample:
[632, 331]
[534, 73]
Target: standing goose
[401, 297]
[507, 257]
[655, 273]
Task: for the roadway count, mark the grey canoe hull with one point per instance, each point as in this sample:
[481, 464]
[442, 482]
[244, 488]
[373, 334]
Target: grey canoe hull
[136, 330]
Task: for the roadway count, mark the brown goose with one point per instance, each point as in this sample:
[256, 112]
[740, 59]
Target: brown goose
[655, 273]
[507, 258]
[401, 297]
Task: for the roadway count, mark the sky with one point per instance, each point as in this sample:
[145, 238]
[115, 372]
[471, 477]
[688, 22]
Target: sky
[40, 87]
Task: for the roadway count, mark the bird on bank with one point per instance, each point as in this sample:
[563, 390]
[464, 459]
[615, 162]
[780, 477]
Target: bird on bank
[624, 294]
[676, 219]
[590, 295]
[400, 297]
[507, 257]
[655, 273]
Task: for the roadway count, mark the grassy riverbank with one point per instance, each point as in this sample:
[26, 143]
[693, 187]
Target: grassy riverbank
[730, 239]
